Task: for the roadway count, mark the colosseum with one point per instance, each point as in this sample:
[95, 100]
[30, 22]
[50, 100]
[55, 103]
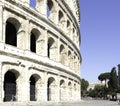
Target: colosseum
[39, 50]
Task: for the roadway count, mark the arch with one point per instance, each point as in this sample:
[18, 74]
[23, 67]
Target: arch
[61, 16]
[69, 29]
[62, 90]
[61, 19]
[70, 59]
[34, 86]
[12, 26]
[69, 89]
[32, 3]
[51, 89]
[10, 85]
[50, 6]
[62, 54]
[33, 39]
[51, 48]
[68, 24]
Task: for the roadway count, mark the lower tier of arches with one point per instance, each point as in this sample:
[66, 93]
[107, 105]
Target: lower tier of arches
[23, 82]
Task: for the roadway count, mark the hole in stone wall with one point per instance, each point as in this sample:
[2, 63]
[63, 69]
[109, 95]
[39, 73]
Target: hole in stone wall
[49, 7]
[11, 34]
[9, 86]
[32, 88]
[33, 43]
[33, 3]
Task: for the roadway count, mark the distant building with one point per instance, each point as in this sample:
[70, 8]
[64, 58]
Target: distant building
[93, 84]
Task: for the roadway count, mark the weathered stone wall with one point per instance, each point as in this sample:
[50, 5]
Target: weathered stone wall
[39, 47]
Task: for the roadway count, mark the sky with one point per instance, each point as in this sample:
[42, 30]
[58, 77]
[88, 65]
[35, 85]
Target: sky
[100, 37]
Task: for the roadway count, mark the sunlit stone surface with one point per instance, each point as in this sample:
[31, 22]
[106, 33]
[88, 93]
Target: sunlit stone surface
[39, 51]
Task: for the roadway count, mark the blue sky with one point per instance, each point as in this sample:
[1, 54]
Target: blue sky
[100, 37]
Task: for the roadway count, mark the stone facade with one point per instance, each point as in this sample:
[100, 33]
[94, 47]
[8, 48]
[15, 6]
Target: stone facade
[39, 51]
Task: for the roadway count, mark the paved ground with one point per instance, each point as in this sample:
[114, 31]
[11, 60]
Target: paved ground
[82, 103]
[98, 103]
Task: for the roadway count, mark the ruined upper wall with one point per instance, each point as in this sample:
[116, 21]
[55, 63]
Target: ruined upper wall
[75, 8]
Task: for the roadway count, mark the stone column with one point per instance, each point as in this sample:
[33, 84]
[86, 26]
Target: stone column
[45, 52]
[58, 89]
[23, 86]
[20, 39]
[41, 7]
[1, 83]
[43, 88]
[1, 21]
[27, 35]
[58, 50]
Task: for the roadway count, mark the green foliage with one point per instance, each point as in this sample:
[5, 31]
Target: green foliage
[84, 86]
[112, 87]
[98, 91]
[104, 76]
[113, 81]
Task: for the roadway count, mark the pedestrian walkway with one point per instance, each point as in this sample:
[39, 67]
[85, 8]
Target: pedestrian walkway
[80, 103]
[98, 103]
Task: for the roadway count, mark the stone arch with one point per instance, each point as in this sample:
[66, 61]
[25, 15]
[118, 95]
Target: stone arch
[51, 89]
[63, 54]
[10, 85]
[34, 37]
[68, 28]
[51, 48]
[75, 63]
[70, 59]
[12, 27]
[34, 86]
[50, 8]
[61, 19]
[62, 90]
[69, 89]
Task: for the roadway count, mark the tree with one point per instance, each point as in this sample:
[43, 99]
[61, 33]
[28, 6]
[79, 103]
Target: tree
[104, 77]
[113, 82]
[84, 86]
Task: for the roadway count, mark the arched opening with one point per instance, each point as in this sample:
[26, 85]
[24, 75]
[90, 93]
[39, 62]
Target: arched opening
[32, 3]
[50, 47]
[68, 28]
[32, 88]
[33, 40]
[61, 20]
[60, 16]
[12, 27]
[33, 43]
[49, 7]
[62, 90]
[70, 59]
[11, 34]
[10, 87]
[62, 54]
[50, 89]
[69, 90]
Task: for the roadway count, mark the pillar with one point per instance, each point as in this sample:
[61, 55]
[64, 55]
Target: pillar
[1, 21]
[1, 83]
[23, 87]
[41, 7]
[27, 35]
[45, 51]
[20, 39]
